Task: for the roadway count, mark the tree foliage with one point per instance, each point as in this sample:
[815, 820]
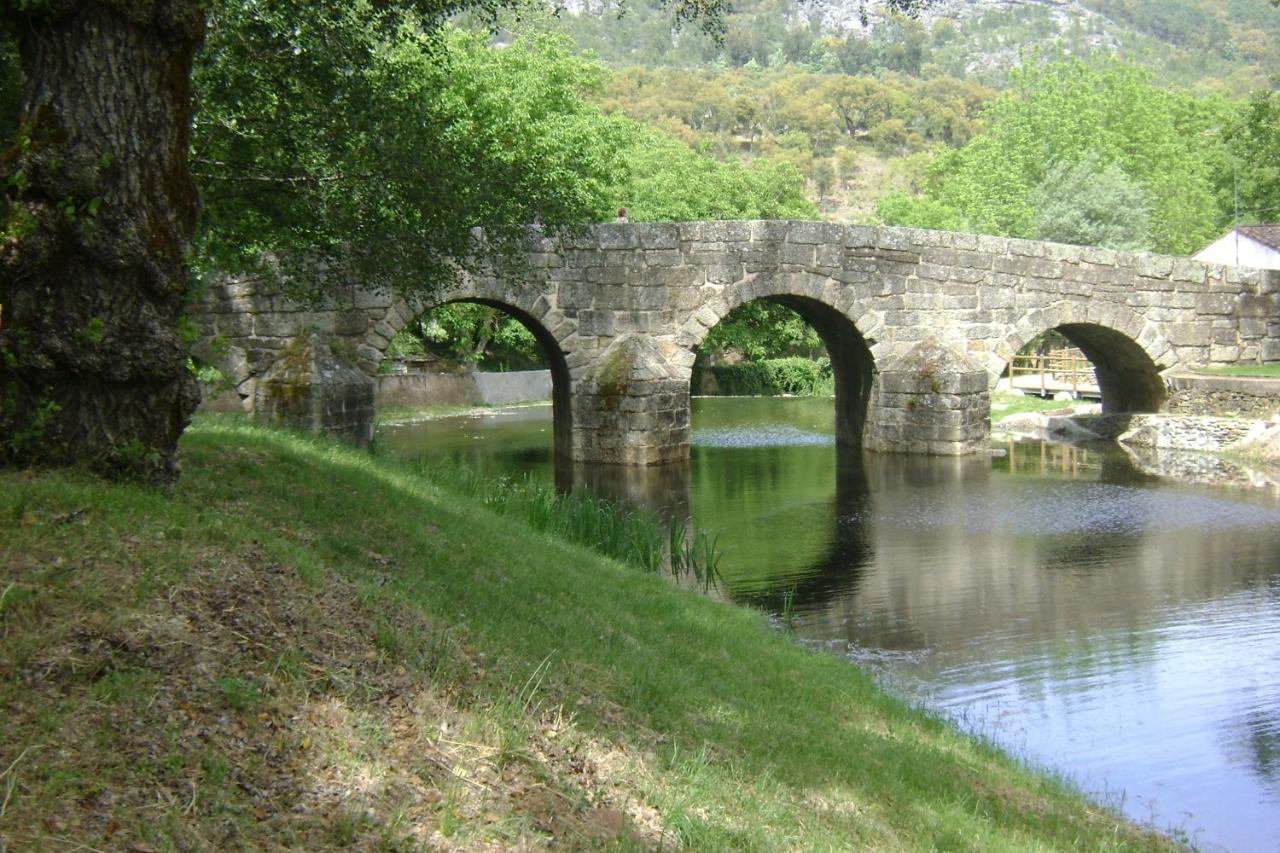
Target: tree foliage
[375, 152]
[760, 330]
[1091, 203]
[311, 121]
[1065, 111]
[1228, 44]
[1254, 139]
[801, 377]
[669, 181]
[10, 88]
[470, 334]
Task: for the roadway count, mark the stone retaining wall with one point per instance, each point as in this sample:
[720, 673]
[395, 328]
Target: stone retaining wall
[419, 390]
[1244, 396]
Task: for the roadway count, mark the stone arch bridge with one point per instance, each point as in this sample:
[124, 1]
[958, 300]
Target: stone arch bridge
[919, 325]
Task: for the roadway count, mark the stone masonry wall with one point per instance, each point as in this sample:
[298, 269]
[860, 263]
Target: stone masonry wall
[1250, 397]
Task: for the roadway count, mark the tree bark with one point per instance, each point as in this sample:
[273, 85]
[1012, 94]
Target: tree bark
[95, 237]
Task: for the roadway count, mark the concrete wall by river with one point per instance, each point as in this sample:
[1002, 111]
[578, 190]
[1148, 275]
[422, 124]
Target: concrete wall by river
[419, 390]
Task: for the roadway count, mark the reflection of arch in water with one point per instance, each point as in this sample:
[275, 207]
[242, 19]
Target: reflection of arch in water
[847, 344]
[662, 489]
[530, 318]
[1127, 352]
[838, 573]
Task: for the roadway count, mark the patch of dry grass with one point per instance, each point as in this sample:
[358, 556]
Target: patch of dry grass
[234, 704]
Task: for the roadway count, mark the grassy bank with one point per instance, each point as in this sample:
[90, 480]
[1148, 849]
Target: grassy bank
[306, 647]
[1008, 405]
[1271, 370]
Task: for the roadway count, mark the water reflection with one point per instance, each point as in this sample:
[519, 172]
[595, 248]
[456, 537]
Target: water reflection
[1121, 627]
[661, 488]
[1260, 732]
[838, 570]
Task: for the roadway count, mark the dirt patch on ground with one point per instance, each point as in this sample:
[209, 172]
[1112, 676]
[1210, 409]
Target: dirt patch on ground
[240, 706]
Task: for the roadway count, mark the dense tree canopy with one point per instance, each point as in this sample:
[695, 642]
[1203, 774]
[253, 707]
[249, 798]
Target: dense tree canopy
[1090, 203]
[1067, 112]
[376, 154]
[1255, 168]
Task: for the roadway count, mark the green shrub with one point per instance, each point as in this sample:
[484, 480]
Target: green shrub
[801, 377]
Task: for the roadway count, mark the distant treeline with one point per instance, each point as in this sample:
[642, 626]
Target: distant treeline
[1221, 44]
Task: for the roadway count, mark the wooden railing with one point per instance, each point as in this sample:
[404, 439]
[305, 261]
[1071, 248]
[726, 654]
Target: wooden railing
[1059, 370]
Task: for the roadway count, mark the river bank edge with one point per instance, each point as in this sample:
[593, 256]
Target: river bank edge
[1207, 449]
[308, 646]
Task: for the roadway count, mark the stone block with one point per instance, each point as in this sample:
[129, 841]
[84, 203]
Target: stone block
[1188, 270]
[859, 237]
[314, 387]
[1215, 303]
[1063, 252]
[769, 230]
[809, 233]
[1227, 336]
[1252, 328]
[658, 235]
[1098, 256]
[607, 275]
[1224, 354]
[800, 254]
[898, 239]
[829, 255]
[233, 325]
[366, 298]
[275, 325]
[1028, 248]
[664, 258]
[1249, 305]
[992, 246]
[617, 236]
[1154, 266]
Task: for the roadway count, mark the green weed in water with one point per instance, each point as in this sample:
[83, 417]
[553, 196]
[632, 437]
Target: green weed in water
[631, 536]
[694, 555]
[789, 609]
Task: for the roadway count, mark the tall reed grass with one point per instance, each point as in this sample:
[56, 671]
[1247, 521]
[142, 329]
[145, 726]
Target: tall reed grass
[631, 536]
[636, 537]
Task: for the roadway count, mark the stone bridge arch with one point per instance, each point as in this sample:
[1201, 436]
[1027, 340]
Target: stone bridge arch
[527, 306]
[831, 311]
[1128, 352]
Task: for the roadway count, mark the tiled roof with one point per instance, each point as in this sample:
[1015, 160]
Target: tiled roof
[1267, 235]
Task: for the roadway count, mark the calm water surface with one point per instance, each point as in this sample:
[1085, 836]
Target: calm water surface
[1122, 629]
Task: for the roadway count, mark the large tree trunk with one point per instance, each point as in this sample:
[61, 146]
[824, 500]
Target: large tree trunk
[95, 245]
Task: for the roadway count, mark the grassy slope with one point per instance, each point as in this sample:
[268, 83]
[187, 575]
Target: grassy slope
[1271, 370]
[307, 647]
[1007, 405]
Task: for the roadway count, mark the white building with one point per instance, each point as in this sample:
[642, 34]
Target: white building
[1256, 246]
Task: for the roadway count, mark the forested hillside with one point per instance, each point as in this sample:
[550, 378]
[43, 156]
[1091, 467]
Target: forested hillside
[1224, 44]
[1129, 123]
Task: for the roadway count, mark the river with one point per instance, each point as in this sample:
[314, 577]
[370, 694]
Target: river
[1121, 629]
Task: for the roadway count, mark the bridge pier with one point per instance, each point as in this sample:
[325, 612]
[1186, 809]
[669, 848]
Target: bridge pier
[632, 407]
[314, 387]
[932, 400]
